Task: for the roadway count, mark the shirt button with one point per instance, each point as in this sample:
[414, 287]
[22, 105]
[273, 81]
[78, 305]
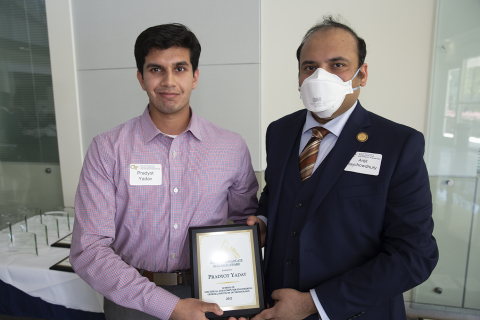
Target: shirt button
[293, 233]
[299, 205]
[175, 190]
[173, 255]
[174, 154]
[289, 262]
[175, 226]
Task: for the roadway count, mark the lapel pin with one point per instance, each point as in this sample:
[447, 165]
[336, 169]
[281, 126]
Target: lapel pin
[362, 137]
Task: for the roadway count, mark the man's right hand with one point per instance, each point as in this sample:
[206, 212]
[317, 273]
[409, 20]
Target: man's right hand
[194, 309]
[263, 228]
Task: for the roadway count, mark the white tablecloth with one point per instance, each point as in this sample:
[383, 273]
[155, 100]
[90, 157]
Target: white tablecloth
[31, 274]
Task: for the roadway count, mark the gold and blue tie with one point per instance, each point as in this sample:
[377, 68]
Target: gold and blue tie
[308, 157]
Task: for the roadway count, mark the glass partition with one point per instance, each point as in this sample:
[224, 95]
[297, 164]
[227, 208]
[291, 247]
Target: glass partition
[29, 163]
[454, 127]
[453, 204]
[453, 160]
[472, 286]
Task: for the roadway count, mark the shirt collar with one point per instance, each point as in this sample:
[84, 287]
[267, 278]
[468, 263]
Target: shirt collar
[150, 131]
[335, 126]
[194, 126]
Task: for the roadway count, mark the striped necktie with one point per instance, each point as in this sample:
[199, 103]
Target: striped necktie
[309, 154]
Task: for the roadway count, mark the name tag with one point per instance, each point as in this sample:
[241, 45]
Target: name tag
[145, 174]
[365, 163]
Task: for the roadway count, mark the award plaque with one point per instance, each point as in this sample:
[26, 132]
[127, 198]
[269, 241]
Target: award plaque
[65, 242]
[63, 265]
[226, 269]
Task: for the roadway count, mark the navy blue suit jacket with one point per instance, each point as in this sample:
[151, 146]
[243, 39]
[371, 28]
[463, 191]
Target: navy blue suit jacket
[366, 239]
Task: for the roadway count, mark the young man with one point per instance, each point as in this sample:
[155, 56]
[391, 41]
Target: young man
[145, 182]
[347, 195]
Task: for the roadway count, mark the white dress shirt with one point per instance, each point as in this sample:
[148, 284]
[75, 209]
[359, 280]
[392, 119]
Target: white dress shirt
[335, 127]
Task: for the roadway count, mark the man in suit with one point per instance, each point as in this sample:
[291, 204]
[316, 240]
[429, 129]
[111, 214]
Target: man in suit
[347, 196]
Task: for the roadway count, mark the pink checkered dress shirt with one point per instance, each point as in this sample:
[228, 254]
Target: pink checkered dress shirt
[207, 177]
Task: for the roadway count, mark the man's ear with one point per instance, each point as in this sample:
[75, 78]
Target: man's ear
[140, 79]
[364, 74]
[196, 74]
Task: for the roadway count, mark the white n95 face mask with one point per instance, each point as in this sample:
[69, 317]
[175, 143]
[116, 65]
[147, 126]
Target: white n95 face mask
[323, 92]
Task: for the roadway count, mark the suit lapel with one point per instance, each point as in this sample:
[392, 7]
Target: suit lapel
[285, 141]
[280, 150]
[343, 151]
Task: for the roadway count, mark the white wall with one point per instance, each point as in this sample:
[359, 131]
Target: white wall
[399, 37]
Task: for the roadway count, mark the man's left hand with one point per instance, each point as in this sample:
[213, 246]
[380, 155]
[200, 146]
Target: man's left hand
[263, 228]
[290, 304]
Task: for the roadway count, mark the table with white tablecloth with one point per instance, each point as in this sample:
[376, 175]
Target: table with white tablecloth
[30, 273]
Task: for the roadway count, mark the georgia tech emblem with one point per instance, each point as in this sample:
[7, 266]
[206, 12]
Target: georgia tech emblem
[134, 167]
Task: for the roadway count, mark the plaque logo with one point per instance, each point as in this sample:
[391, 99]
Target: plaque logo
[229, 251]
[226, 256]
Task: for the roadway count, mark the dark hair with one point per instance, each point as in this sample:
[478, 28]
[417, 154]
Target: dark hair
[163, 37]
[328, 23]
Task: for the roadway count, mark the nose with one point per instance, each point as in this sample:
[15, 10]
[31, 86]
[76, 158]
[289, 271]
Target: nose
[168, 79]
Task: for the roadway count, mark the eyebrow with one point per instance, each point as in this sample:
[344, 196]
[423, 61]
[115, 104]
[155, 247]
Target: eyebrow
[153, 65]
[308, 62]
[177, 64]
[334, 59]
[181, 63]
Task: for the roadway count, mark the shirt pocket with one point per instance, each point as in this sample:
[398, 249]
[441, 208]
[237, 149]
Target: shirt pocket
[361, 190]
[146, 207]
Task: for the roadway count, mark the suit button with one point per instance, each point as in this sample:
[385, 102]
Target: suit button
[289, 262]
[299, 205]
[293, 233]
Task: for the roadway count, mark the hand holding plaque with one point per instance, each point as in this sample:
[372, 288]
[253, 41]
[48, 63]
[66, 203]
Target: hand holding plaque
[227, 269]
